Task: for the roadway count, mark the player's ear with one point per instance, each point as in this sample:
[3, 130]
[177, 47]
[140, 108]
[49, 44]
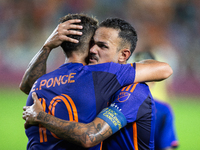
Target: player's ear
[124, 54]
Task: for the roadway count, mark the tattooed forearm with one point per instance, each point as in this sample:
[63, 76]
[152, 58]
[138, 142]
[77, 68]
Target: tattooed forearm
[36, 68]
[86, 135]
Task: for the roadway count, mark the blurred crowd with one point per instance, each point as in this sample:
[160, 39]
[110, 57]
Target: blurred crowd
[170, 29]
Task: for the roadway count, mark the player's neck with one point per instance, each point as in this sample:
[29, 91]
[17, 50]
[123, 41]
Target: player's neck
[76, 58]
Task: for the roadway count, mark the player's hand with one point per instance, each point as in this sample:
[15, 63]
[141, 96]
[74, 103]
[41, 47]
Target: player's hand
[59, 35]
[31, 112]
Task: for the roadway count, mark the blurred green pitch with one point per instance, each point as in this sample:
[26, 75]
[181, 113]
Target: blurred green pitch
[12, 135]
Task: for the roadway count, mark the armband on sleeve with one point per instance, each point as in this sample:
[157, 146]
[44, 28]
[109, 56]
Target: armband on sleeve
[113, 117]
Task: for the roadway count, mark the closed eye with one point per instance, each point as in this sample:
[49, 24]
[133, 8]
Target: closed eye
[102, 45]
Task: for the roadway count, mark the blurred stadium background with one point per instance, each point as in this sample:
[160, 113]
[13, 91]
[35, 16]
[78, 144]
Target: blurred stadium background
[168, 28]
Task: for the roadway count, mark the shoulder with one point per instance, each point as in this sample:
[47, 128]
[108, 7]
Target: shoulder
[142, 85]
[134, 101]
[135, 90]
[133, 93]
[140, 89]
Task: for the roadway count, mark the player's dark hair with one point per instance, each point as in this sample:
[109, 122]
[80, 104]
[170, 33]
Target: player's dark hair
[89, 26]
[126, 32]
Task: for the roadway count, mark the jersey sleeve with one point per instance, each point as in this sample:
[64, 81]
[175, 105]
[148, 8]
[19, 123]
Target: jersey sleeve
[125, 73]
[129, 99]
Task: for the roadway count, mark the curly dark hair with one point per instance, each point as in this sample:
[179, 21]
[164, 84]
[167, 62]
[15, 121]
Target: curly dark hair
[89, 26]
[126, 32]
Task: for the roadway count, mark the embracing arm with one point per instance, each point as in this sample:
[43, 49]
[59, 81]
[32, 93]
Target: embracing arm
[152, 70]
[86, 135]
[37, 66]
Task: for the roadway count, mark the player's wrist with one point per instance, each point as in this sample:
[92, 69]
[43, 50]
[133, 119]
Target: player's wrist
[40, 117]
[46, 48]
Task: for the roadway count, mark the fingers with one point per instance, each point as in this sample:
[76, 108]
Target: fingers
[71, 24]
[72, 32]
[63, 35]
[25, 115]
[37, 106]
[61, 32]
[65, 30]
[34, 96]
[67, 27]
[25, 108]
[74, 21]
[66, 38]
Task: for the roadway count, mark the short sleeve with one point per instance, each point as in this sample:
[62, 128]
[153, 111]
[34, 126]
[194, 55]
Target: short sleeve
[129, 99]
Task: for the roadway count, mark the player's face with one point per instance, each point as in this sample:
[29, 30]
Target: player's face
[104, 46]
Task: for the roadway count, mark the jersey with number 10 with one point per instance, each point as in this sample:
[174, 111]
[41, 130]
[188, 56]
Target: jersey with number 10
[76, 93]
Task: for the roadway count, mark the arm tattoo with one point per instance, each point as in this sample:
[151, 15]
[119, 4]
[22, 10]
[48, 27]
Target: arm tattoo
[76, 132]
[36, 69]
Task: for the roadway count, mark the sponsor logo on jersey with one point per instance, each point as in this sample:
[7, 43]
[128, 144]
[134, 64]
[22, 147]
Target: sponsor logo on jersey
[123, 96]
